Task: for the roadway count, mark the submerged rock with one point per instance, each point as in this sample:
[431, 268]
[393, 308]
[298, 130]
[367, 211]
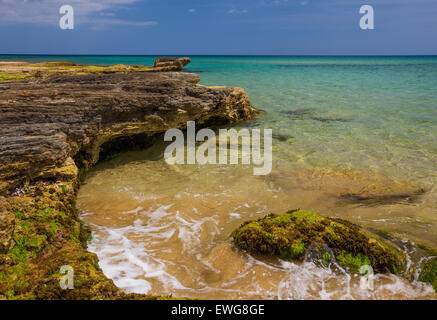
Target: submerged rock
[349, 186]
[330, 118]
[300, 234]
[312, 114]
[298, 112]
[429, 273]
[282, 137]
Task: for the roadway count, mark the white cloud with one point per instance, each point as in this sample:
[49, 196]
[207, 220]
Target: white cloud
[236, 11]
[273, 2]
[191, 10]
[85, 12]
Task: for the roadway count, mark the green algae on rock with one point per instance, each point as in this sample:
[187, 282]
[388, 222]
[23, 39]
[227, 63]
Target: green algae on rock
[300, 234]
[18, 71]
[44, 234]
[429, 273]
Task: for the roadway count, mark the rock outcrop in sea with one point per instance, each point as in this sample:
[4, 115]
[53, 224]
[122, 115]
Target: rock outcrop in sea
[298, 235]
[176, 63]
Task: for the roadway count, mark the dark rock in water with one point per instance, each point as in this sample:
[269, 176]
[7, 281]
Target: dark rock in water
[298, 112]
[378, 199]
[429, 273]
[328, 119]
[176, 64]
[298, 234]
[310, 114]
[349, 186]
[281, 137]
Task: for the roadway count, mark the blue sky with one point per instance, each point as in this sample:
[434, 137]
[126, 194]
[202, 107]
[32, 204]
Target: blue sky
[238, 27]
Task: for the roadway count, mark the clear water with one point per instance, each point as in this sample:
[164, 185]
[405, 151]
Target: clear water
[161, 229]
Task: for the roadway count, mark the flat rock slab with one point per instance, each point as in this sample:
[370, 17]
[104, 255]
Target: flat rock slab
[349, 186]
[45, 123]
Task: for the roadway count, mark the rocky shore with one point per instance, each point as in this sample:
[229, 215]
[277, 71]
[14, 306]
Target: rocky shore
[59, 119]
[55, 126]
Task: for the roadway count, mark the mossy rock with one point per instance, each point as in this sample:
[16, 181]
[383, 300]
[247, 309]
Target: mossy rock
[429, 273]
[299, 234]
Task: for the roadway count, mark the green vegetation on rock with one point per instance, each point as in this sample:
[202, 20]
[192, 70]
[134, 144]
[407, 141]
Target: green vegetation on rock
[429, 273]
[18, 71]
[47, 235]
[298, 234]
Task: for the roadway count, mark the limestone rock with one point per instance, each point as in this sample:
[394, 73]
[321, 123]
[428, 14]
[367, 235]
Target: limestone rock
[175, 63]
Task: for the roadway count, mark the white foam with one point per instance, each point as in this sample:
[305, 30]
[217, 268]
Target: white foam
[128, 256]
[128, 262]
[308, 281]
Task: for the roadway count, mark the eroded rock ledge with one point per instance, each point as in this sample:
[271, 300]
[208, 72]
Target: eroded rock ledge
[44, 124]
[51, 126]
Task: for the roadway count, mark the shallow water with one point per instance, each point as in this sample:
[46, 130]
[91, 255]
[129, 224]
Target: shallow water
[165, 229]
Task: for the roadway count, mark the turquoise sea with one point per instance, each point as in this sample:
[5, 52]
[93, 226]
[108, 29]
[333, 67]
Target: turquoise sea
[376, 115]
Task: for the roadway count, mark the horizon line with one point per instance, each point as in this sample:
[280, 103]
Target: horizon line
[216, 55]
